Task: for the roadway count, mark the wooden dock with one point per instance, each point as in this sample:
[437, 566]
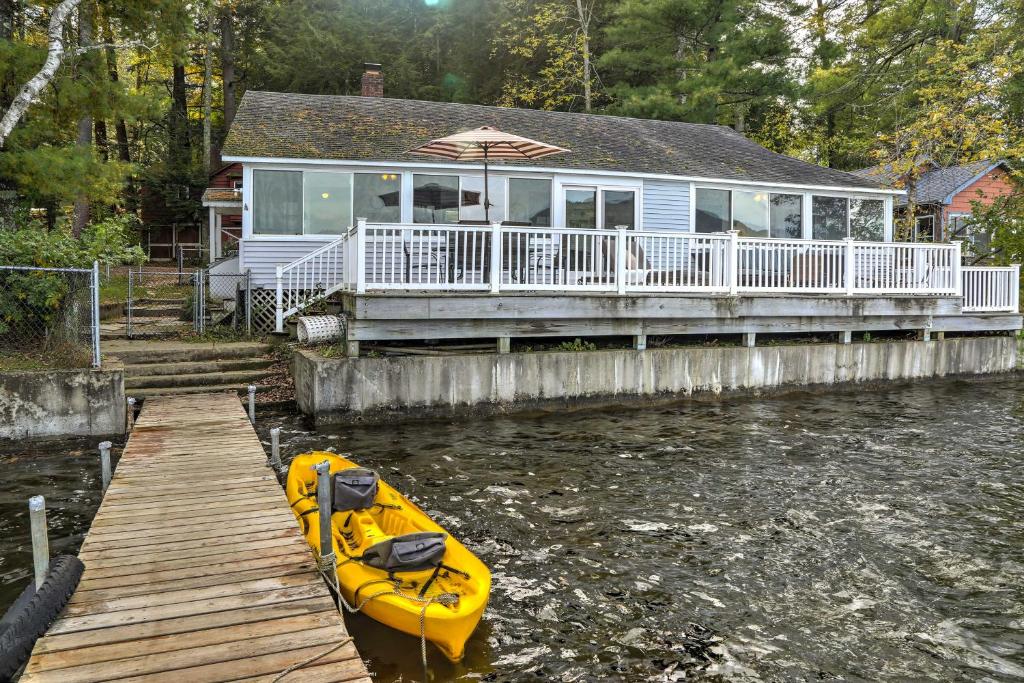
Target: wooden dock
[194, 566]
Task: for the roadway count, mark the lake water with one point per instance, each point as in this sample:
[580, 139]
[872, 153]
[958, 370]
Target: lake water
[860, 535]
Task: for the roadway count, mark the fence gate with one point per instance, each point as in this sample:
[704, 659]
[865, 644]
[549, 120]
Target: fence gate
[163, 303]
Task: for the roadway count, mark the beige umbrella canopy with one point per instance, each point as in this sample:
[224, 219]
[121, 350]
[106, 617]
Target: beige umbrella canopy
[485, 144]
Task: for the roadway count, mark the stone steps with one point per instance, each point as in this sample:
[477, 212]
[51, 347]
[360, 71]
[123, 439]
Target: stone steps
[132, 353]
[196, 367]
[205, 389]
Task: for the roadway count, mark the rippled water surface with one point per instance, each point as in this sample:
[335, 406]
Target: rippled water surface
[861, 535]
[67, 474]
[866, 535]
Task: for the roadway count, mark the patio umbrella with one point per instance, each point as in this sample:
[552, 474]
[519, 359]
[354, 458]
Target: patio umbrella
[486, 143]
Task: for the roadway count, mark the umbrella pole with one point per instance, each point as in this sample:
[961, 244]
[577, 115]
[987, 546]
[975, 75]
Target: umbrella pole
[487, 202]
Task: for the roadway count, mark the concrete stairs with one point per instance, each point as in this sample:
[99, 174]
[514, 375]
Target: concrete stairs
[151, 318]
[154, 367]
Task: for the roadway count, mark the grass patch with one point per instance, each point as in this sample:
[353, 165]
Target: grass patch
[64, 358]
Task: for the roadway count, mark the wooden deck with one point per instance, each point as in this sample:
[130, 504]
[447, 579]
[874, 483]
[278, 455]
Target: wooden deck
[195, 568]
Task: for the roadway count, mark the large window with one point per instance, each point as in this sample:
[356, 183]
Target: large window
[277, 202]
[581, 208]
[600, 207]
[785, 215]
[377, 197]
[327, 202]
[435, 198]
[713, 212]
[867, 219]
[750, 213]
[619, 208]
[828, 218]
[322, 202]
[529, 201]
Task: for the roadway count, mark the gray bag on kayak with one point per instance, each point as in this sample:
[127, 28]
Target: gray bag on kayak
[354, 489]
[407, 553]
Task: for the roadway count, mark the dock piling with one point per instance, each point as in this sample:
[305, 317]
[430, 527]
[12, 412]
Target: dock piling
[323, 502]
[105, 471]
[275, 449]
[130, 416]
[252, 404]
[40, 539]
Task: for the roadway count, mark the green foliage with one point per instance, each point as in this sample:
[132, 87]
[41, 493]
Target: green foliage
[576, 345]
[1003, 222]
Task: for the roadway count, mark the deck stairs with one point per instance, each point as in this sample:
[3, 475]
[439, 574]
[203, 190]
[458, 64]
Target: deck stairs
[157, 367]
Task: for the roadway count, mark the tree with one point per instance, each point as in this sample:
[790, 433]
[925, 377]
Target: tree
[711, 61]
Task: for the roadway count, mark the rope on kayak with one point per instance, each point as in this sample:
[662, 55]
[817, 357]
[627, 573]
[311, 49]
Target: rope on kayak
[293, 667]
[330, 575]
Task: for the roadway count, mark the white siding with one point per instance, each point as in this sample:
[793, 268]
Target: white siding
[262, 256]
[666, 205]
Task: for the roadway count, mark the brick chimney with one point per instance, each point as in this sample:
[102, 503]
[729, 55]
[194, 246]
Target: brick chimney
[373, 80]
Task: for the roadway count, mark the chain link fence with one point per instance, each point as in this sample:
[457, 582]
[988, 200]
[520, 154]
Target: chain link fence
[50, 315]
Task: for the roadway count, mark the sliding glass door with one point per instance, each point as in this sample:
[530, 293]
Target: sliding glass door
[599, 207]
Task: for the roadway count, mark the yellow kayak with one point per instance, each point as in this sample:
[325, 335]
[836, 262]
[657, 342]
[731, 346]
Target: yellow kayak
[393, 560]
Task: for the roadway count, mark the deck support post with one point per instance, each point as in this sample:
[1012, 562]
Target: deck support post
[940, 336]
[352, 348]
[323, 501]
[504, 344]
[640, 342]
[924, 335]
[846, 337]
[105, 473]
[749, 339]
[40, 540]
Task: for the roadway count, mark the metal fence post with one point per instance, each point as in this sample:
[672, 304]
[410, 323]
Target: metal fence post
[248, 303]
[95, 314]
[40, 540]
[128, 307]
[105, 472]
[323, 502]
[252, 404]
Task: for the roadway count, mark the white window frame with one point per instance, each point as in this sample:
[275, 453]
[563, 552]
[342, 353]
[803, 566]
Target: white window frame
[600, 190]
[917, 219]
[551, 194]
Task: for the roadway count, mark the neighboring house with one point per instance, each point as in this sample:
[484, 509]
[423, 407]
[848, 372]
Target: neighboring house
[943, 196]
[223, 200]
[312, 164]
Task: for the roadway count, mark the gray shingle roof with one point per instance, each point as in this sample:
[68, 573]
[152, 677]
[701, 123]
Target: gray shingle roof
[294, 126]
[933, 186]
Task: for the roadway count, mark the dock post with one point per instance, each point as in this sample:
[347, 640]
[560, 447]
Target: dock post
[323, 502]
[105, 472]
[130, 417]
[252, 404]
[40, 541]
[275, 449]
[504, 344]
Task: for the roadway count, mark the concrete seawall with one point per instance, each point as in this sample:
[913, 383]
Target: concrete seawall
[337, 390]
[58, 403]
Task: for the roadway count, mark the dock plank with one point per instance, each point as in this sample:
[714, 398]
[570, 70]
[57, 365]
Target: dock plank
[195, 567]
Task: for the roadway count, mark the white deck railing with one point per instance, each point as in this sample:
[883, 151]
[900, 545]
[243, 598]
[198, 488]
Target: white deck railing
[500, 258]
[989, 289]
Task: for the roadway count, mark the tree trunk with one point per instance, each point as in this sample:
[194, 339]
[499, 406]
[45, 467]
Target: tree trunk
[179, 142]
[208, 89]
[8, 8]
[120, 128]
[102, 144]
[84, 141]
[227, 64]
[54, 56]
[585, 32]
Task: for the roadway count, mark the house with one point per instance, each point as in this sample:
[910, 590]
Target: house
[223, 201]
[334, 204]
[943, 196]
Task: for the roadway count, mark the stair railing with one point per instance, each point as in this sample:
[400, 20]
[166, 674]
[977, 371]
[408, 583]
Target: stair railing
[316, 275]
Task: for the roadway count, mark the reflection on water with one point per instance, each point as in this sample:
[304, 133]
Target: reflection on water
[67, 474]
[858, 535]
